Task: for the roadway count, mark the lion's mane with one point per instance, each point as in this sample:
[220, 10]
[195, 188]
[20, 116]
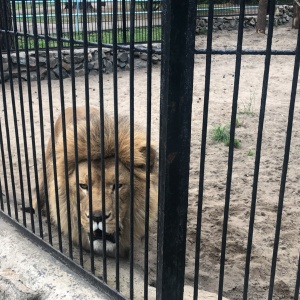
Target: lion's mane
[65, 144]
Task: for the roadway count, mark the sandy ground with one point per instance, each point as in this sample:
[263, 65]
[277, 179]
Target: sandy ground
[221, 91]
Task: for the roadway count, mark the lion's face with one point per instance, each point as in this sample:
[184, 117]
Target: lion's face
[97, 214]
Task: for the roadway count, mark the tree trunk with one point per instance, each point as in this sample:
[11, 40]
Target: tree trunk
[5, 25]
[262, 16]
[296, 14]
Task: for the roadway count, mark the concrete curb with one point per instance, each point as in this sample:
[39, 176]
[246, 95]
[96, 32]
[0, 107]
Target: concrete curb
[29, 272]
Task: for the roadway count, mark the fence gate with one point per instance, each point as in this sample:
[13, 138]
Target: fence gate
[163, 171]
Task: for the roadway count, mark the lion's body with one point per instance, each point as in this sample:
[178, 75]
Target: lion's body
[82, 188]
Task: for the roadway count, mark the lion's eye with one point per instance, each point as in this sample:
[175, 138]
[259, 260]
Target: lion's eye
[114, 186]
[83, 186]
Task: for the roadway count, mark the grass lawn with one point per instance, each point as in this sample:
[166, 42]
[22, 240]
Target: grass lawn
[140, 36]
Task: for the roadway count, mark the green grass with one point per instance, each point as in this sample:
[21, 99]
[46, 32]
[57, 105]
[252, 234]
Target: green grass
[221, 134]
[238, 123]
[250, 152]
[248, 107]
[140, 36]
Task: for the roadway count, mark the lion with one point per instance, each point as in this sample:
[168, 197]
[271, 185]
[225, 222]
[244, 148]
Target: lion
[70, 189]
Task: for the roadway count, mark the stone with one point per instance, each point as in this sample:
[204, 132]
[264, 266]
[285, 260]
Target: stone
[15, 71]
[201, 23]
[5, 77]
[66, 66]
[80, 72]
[221, 26]
[78, 58]
[140, 64]
[32, 75]
[53, 62]
[42, 60]
[155, 59]
[52, 54]
[93, 73]
[109, 67]
[42, 54]
[122, 64]
[105, 62]
[4, 58]
[105, 50]
[43, 73]
[91, 65]
[123, 56]
[252, 22]
[64, 73]
[108, 56]
[79, 66]
[5, 67]
[78, 52]
[96, 65]
[232, 23]
[52, 76]
[144, 56]
[23, 59]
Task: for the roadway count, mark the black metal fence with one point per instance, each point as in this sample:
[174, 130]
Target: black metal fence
[222, 225]
[43, 17]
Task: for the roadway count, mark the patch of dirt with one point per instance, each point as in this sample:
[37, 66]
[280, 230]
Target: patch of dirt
[216, 164]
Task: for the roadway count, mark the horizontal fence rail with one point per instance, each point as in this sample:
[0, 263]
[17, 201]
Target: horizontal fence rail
[46, 13]
[156, 171]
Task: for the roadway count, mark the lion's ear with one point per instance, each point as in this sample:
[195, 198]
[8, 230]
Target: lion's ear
[140, 160]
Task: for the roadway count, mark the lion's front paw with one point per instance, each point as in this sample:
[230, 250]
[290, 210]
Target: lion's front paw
[110, 248]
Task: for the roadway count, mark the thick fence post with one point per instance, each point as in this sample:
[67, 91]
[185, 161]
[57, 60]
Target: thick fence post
[178, 42]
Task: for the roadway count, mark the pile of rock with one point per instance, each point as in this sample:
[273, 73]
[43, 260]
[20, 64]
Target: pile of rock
[71, 64]
[283, 14]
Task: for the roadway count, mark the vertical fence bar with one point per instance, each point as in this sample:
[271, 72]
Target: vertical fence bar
[285, 164]
[28, 172]
[1, 141]
[41, 117]
[124, 19]
[102, 146]
[74, 103]
[63, 119]
[297, 287]
[258, 148]
[131, 108]
[1, 195]
[116, 118]
[203, 145]
[148, 143]
[231, 144]
[178, 42]
[15, 117]
[4, 167]
[46, 28]
[32, 126]
[88, 135]
[7, 129]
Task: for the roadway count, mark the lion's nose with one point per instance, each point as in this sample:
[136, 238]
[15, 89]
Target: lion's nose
[98, 217]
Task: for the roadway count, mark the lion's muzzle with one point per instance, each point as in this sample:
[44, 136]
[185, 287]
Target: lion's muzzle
[98, 235]
[98, 228]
